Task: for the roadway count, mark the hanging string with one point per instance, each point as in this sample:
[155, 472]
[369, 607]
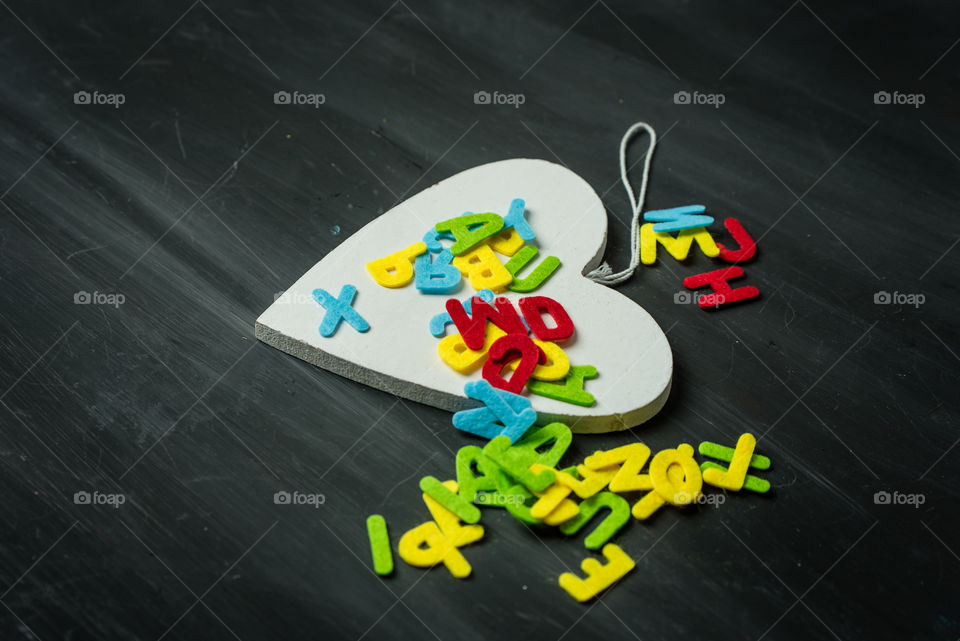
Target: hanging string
[604, 274]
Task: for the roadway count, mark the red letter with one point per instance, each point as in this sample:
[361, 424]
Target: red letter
[473, 329]
[506, 349]
[723, 293]
[748, 248]
[533, 307]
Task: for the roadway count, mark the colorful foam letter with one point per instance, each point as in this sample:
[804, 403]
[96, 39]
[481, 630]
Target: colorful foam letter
[470, 230]
[515, 219]
[724, 453]
[741, 459]
[484, 270]
[671, 488]
[537, 277]
[437, 277]
[678, 247]
[678, 218]
[505, 349]
[534, 307]
[518, 499]
[570, 390]
[599, 577]
[555, 364]
[396, 270]
[469, 458]
[438, 323]
[464, 510]
[339, 309]
[473, 327]
[514, 413]
[498, 485]
[616, 519]
[734, 477]
[589, 482]
[723, 293]
[748, 248]
[448, 522]
[438, 541]
[432, 240]
[750, 482]
[507, 242]
[516, 462]
[455, 353]
[379, 544]
[631, 459]
[531, 445]
[552, 506]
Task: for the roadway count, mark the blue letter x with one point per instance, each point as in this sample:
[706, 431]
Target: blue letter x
[339, 309]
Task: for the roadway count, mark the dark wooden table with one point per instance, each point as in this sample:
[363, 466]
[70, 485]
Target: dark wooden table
[198, 198]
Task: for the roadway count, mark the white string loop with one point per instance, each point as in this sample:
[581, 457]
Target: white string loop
[604, 274]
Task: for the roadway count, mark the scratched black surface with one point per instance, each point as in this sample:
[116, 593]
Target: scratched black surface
[168, 400]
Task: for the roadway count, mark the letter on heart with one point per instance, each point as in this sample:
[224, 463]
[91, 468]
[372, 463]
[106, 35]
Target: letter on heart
[399, 355]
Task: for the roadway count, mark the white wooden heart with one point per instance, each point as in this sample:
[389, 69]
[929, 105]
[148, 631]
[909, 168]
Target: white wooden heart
[398, 353]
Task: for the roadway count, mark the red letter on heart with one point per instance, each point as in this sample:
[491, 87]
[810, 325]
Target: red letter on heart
[533, 308]
[473, 327]
[506, 349]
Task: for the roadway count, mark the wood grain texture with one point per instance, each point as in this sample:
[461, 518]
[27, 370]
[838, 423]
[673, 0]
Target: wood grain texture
[200, 198]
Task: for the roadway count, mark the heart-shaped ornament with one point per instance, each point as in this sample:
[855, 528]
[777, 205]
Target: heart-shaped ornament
[398, 353]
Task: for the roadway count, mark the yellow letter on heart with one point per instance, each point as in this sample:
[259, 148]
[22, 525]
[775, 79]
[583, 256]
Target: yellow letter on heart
[457, 355]
[484, 269]
[396, 270]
